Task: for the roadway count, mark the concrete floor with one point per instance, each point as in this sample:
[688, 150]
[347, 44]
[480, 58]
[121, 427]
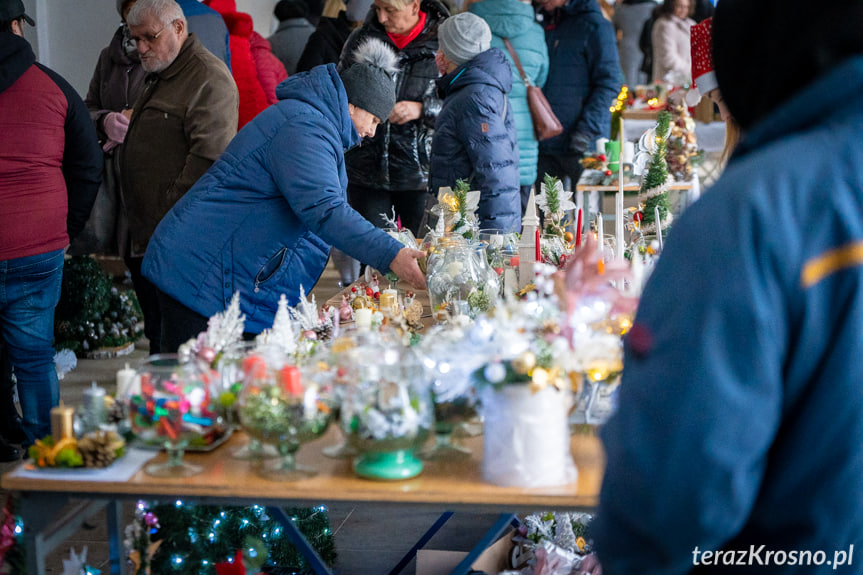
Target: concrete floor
[368, 542]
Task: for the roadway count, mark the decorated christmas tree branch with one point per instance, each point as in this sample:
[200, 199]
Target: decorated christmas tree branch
[654, 184]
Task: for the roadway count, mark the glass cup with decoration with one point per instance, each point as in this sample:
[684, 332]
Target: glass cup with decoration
[281, 407]
[172, 408]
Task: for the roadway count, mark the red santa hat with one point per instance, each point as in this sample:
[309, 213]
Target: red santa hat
[701, 42]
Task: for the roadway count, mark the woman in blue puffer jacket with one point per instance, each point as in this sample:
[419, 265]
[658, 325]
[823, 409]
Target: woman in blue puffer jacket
[475, 133]
[515, 20]
[261, 221]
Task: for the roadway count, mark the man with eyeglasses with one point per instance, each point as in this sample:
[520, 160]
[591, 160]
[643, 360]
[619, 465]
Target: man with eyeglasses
[180, 124]
[50, 170]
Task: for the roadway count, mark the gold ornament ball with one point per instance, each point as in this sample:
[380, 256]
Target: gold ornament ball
[524, 363]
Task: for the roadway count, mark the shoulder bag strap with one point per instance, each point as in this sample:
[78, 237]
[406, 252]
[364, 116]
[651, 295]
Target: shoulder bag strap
[517, 62]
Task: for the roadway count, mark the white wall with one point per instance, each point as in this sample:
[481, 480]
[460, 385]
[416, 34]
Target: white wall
[261, 12]
[70, 34]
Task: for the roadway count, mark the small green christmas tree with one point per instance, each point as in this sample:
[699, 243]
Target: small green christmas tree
[91, 312]
[654, 189]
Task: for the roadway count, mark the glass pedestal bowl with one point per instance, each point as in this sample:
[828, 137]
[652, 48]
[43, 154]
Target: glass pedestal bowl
[278, 408]
[387, 414]
[172, 409]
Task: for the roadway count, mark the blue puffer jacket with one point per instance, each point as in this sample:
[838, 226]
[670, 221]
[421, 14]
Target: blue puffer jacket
[262, 219]
[584, 75]
[740, 422]
[515, 20]
[475, 139]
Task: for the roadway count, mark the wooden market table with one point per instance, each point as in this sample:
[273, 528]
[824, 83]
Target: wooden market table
[446, 486]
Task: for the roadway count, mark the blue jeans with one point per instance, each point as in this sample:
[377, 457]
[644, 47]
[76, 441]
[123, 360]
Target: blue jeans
[29, 292]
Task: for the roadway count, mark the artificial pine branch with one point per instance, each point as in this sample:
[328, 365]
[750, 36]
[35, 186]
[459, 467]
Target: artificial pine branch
[551, 193]
[461, 189]
[462, 224]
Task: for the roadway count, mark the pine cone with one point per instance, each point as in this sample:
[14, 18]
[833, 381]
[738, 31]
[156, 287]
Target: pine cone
[324, 332]
[116, 410]
[99, 448]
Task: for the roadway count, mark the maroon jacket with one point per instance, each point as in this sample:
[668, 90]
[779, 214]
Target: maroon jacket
[50, 159]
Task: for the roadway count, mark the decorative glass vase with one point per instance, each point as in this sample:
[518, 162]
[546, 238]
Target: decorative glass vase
[527, 438]
[280, 407]
[172, 409]
[449, 365]
[459, 282]
[387, 413]
[501, 250]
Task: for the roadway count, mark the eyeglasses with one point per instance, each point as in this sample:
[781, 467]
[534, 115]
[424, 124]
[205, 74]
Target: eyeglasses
[150, 38]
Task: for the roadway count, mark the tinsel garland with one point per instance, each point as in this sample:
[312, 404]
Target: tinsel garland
[196, 537]
[92, 313]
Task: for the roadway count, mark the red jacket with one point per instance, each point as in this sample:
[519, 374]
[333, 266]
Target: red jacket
[271, 71]
[253, 99]
[50, 159]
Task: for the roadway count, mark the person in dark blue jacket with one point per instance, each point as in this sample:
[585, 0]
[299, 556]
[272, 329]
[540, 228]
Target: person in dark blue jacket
[738, 443]
[208, 26]
[262, 219]
[515, 21]
[475, 137]
[584, 78]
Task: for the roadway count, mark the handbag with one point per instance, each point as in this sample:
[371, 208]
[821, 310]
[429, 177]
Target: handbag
[545, 123]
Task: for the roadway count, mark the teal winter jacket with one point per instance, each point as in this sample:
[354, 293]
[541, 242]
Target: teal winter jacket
[515, 20]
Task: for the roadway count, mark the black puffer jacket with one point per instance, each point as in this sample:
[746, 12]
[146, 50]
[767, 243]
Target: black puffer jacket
[397, 158]
[326, 42]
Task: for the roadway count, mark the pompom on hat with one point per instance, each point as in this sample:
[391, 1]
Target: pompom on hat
[370, 82]
[701, 44]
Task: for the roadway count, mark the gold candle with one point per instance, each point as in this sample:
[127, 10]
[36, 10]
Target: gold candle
[61, 422]
[389, 302]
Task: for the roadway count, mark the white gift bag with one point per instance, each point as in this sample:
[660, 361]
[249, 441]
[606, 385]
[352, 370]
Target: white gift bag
[527, 440]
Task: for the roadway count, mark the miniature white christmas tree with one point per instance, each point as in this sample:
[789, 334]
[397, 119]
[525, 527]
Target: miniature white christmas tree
[283, 334]
[225, 327]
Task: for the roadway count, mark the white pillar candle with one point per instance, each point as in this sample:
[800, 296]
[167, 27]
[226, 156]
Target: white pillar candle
[637, 272]
[600, 232]
[363, 318]
[658, 226]
[628, 152]
[125, 381]
[618, 204]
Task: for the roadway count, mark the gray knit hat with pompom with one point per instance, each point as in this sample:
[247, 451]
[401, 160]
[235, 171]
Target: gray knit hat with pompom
[370, 81]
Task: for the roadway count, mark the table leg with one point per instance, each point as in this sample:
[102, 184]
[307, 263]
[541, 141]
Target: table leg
[421, 543]
[116, 553]
[296, 537]
[35, 516]
[499, 528]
